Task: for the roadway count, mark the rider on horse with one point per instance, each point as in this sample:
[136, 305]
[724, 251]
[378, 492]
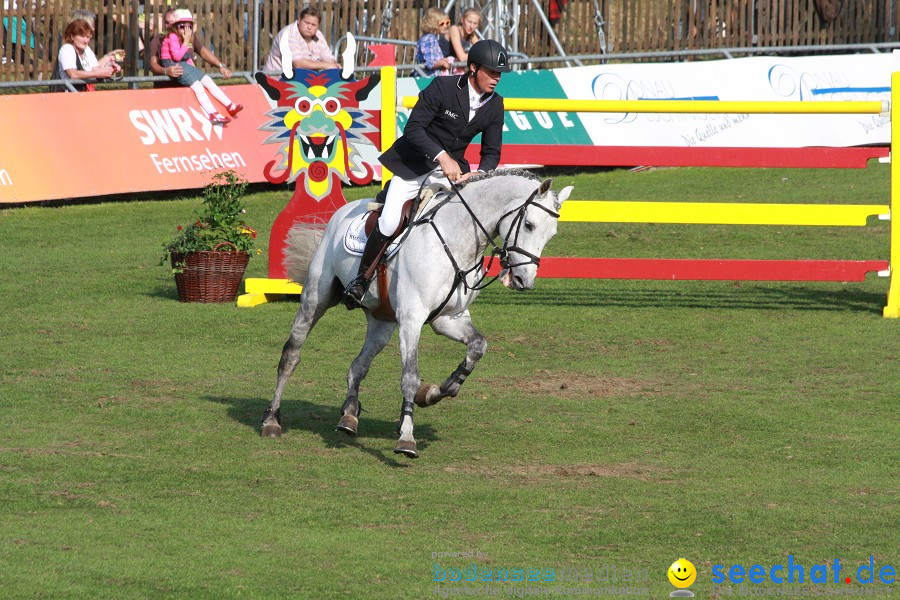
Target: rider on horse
[450, 112]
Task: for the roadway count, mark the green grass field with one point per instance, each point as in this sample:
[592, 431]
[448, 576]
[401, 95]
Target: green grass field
[612, 427]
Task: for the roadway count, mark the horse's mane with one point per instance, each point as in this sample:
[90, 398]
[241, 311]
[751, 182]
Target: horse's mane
[499, 172]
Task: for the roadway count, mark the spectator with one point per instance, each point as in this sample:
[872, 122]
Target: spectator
[175, 71]
[464, 34]
[16, 33]
[301, 44]
[177, 50]
[555, 13]
[76, 60]
[85, 15]
[428, 49]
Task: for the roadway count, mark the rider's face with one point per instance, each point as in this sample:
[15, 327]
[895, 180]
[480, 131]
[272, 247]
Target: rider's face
[485, 79]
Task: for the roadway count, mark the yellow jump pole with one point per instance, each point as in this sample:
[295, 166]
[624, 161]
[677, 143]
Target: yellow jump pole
[756, 107]
[388, 114]
[892, 310]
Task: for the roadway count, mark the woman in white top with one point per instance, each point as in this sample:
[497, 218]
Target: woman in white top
[78, 61]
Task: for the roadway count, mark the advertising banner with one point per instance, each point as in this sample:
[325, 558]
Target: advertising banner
[116, 142]
[803, 79]
[808, 79]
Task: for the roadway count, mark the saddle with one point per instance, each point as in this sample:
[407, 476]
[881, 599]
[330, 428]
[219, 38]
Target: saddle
[411, 209]
[406, 213]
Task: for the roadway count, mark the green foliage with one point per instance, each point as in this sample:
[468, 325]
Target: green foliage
[218, 221]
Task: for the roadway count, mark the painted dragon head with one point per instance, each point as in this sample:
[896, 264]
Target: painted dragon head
[318, 123]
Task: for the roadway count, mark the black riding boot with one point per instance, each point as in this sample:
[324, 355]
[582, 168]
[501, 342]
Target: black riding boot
[375, 246]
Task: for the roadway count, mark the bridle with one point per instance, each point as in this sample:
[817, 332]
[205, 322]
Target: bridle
[497, 252]
[518, 219]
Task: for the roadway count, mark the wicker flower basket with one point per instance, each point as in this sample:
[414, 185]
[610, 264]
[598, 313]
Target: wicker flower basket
[213, 276]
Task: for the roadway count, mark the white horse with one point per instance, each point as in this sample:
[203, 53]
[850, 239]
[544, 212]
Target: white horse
[433, 278]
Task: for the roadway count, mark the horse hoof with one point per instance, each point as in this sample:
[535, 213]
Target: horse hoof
[348, 425]
[421, 398]
[406, 448]
[271, 430]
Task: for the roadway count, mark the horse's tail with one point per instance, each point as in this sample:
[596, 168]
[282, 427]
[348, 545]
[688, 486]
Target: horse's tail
[302, 241]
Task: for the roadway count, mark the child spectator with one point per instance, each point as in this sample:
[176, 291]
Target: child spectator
[176, 50]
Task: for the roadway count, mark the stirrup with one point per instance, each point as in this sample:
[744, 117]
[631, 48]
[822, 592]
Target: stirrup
[355, 292]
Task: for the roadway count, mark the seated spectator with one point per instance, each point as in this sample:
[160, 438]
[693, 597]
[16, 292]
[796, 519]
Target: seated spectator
[302, 45]
[76, 60]
[85, 15]
[155, 62]
[177, 49]
[464, 34]
[428, 49]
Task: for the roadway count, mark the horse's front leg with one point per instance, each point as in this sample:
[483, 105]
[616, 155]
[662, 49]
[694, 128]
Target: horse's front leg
[461, 329]
[378, 334]
[409, 383]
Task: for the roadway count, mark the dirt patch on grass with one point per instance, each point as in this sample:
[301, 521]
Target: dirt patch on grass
[640, 472]
[569, 384]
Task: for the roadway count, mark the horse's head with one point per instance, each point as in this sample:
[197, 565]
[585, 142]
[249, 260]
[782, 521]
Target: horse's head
[526, 228]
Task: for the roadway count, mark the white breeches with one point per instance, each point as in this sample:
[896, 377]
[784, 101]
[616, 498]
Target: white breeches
[400, 191]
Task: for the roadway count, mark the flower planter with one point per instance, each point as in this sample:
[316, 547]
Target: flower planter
[213, 276]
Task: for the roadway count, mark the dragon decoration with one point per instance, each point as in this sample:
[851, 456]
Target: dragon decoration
[318, 124]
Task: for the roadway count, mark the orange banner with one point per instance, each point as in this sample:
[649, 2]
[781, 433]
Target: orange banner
[57, 146]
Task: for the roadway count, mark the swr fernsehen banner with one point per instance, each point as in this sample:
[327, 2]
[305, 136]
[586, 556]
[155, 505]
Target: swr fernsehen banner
[117, 142]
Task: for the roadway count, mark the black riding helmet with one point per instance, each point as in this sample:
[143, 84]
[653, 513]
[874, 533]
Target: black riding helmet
[490, 54]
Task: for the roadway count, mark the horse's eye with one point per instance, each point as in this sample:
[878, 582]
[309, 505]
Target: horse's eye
[529, 226]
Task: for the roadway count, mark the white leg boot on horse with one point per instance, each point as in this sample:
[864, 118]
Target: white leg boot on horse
[375, 247]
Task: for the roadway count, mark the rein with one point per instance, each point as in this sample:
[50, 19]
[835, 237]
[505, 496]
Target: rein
[501, 252]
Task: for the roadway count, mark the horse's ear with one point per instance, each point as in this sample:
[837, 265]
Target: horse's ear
[545, 187]
[563, 196]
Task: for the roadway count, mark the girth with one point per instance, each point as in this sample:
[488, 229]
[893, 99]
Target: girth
[384, 311]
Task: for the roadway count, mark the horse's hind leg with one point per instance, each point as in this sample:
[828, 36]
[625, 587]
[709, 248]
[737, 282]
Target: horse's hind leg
[316, 299]
[378, 334]
[461, 329]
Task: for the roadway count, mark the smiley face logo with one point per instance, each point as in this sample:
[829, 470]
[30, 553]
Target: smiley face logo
[682, 573]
